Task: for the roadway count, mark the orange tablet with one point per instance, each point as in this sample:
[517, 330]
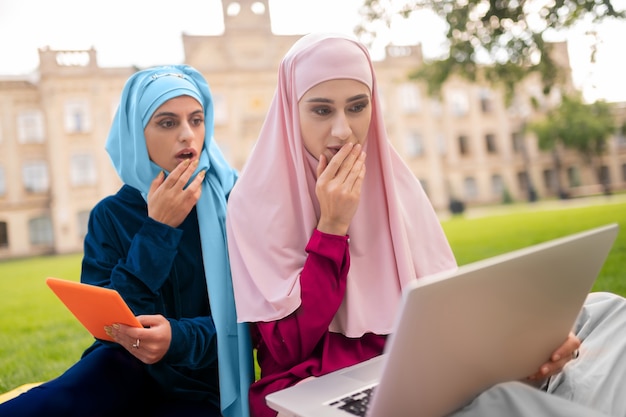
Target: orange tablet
[95, 307]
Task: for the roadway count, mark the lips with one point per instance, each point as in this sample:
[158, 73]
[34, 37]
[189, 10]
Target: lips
[187, 153]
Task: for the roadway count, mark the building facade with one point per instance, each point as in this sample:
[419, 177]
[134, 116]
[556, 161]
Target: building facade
[465, 144]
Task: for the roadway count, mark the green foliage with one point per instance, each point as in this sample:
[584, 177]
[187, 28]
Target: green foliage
[576, 125]
[506, 38]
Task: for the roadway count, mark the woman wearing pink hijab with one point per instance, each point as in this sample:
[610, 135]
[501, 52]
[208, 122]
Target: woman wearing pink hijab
[327, 224]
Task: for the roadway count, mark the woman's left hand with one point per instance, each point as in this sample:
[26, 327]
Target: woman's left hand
[565, 353]
[148, 344]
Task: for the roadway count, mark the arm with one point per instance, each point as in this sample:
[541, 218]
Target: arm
[132, 257]
[292, 339]
[134, 254]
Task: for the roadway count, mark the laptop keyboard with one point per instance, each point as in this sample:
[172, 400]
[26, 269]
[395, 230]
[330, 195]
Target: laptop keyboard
[355, 403]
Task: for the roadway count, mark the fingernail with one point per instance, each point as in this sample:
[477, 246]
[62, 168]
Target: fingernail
[116, 326]
[202, 174]
[107, 330]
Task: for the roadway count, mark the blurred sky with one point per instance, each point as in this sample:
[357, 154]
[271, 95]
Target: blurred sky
[148, 32]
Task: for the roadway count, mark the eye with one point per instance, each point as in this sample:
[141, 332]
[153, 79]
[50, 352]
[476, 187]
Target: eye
[359, 107]
[197, 121]
[321, 111]
[167, 123]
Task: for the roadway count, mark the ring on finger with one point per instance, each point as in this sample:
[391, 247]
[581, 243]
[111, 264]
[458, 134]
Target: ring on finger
[136, 344]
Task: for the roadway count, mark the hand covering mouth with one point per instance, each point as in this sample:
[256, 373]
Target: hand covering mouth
[331, 151]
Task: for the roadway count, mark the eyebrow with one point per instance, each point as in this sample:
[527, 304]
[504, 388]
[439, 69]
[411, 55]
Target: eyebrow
[171, 114]
[325, 100]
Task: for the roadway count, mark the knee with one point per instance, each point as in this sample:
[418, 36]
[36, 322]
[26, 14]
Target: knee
[606, 300]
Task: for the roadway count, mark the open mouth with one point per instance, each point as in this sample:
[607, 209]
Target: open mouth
[186, 154]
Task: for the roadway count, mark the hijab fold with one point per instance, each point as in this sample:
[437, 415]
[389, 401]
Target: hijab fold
[144, 92]
[395, 235]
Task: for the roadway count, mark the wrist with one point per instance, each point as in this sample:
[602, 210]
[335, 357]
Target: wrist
[332, 228]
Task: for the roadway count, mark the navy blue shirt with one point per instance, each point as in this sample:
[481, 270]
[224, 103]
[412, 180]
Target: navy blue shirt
[157, 269]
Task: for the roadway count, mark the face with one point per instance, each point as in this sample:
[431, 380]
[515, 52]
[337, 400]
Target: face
[333, 113]
[175, 132]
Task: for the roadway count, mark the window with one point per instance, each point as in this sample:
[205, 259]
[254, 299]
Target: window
[40, 231]
[486, 104]
[537, 96]
[3, 183]
[35, 176]
[30, 128]
[413, 144]
[605, 174]
[470, 188]
[459, 104]
[522, 180]
[409, 98]
[490, 143]
[77, 118]
[83, 221]
[573, 176]
[4, 235]
[621, 137]
[497, 185]
[463, 145]
[518, 142]
[258, 8]
[82, 170]
[233, 9]
[549, 180]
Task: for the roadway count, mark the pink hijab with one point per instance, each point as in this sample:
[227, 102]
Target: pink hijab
[395, 235]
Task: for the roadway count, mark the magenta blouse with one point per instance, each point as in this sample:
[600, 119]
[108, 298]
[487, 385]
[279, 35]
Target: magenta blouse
[300, 345]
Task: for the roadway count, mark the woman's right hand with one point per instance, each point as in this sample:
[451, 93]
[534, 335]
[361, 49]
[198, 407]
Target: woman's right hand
[338, 188]
[169, 202]
[148, 344]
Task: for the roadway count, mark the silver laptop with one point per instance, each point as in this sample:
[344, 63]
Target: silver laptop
[461, 332]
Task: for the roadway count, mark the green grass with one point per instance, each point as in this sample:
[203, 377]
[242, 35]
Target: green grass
[482, 237]
[39, 338]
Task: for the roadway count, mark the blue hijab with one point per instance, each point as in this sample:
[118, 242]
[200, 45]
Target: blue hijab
[144, 92]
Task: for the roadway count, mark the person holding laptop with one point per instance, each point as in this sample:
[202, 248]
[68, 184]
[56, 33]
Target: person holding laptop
[327, 224]
[161, 243]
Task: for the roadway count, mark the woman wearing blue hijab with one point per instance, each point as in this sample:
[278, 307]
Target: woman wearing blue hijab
[161, 243]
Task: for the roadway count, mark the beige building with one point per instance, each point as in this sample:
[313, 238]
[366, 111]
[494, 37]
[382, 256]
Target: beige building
[465, 145]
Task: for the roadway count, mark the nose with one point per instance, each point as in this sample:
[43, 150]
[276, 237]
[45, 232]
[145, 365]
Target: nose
[186, 132]
[341, 127]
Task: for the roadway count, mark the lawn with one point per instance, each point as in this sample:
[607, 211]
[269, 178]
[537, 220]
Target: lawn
[39, 338]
